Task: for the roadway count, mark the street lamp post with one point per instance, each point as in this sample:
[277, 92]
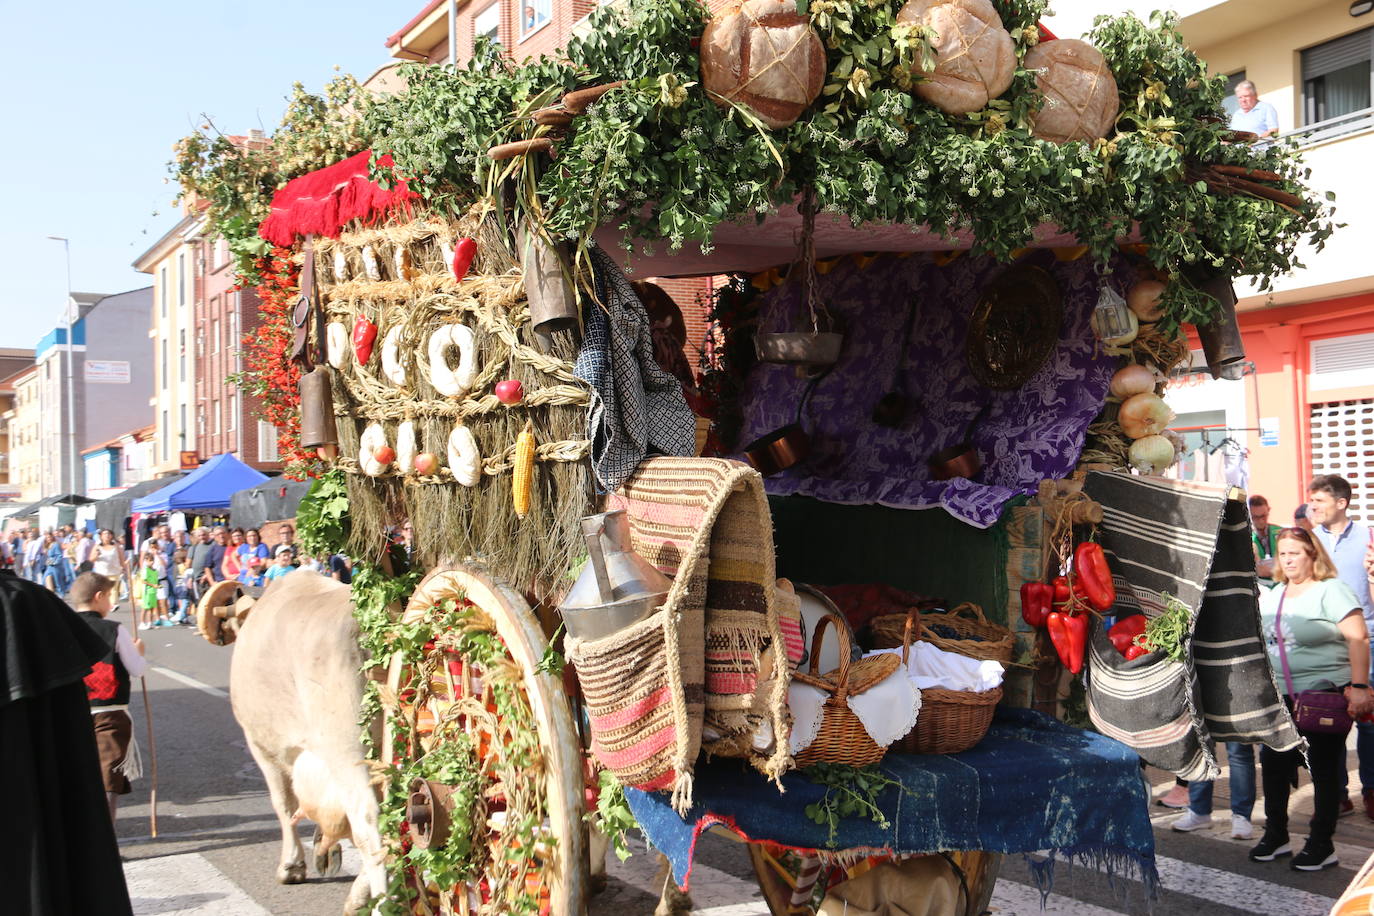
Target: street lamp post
[71, 372]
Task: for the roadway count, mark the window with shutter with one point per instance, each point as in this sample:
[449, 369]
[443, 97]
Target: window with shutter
[1343, 443]
[1336, 77]
[1341, 362]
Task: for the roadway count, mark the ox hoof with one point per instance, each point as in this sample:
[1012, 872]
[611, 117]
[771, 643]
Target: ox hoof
[328, 860]
[291, 874]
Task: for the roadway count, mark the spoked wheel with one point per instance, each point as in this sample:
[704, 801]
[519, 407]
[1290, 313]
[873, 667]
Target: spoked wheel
[491, 766]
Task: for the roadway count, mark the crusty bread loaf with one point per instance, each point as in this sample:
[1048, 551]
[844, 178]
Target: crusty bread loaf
[765, 56]
[1080, 98]
[975, 58]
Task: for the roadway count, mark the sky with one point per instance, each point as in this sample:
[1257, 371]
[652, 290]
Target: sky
[98, 93]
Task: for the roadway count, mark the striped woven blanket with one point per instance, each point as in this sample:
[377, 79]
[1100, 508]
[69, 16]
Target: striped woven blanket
[1179, 539]
[705, 523]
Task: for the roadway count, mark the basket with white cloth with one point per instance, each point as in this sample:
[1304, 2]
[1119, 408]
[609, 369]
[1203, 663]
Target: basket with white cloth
[849, 715]
[958, 694]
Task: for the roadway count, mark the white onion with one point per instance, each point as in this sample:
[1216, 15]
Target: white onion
[1144, 415]
[1152, 454]
[1144, 299]
[1132, 379]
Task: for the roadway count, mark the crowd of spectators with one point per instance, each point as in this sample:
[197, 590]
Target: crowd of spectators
[170, 570]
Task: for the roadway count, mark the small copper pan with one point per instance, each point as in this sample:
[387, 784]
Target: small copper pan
[960, 460]
[779, 450]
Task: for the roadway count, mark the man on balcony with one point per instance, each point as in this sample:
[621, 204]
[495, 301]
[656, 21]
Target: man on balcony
[1259, 118]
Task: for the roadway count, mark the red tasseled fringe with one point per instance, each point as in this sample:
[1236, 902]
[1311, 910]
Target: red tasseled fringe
[324, 201]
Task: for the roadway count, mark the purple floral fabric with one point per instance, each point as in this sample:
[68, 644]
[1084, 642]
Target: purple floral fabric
[1027, 435]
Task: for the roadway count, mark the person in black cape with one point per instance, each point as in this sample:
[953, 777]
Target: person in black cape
[58, 853]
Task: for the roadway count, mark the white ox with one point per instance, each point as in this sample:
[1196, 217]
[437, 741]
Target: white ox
[296, 688]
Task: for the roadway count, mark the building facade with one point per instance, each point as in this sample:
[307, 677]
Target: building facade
[22, 420]
[119, 463]
[14, 364]
[171, 261]
[1306, 406]
[92, 376]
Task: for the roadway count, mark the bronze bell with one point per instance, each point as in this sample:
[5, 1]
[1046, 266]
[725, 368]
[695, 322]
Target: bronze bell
[1221, 341]
[553, 303]
[317, 409]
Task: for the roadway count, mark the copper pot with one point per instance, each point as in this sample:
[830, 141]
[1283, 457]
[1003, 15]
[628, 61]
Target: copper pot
[960, 460]
[779, 450]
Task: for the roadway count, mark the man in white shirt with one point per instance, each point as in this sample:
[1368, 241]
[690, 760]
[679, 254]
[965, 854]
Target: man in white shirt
[1259, 118]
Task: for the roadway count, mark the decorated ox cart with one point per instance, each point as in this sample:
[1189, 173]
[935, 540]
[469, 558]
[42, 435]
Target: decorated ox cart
[952, 257]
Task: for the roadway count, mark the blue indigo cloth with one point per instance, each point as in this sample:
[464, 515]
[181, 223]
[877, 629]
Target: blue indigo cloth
[1033, 783]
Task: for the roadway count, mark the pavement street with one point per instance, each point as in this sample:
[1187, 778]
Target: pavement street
[218, 839]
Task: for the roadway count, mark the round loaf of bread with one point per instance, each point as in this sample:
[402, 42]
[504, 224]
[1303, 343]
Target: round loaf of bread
[1079, 99]
[975, 58]
[764, 56]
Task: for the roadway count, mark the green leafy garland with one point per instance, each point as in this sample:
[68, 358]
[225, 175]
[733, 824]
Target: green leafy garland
[664, 163]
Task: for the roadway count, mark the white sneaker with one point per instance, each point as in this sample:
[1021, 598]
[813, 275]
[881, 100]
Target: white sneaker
[1191, 820]
[1241, 828]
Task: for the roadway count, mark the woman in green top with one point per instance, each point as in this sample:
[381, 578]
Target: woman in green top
[1327, 648]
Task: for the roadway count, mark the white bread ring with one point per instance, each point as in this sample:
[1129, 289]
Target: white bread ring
[446, 380]
[336, 344]
[463, 458]
[373, 438]
[405, 446]
[391, 356]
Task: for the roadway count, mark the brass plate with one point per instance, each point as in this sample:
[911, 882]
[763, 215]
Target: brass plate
[1014, 327]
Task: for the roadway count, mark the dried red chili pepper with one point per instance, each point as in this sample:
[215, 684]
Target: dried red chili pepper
[1090, 565]
[364, 335]
[463, 253]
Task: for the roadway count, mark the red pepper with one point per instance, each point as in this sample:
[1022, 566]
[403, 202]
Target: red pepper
[1125, 631]
[1061, 591]
[1134, 652]
[463, 253]
[1035, 602]
[1090, 565]
[1059, 635]
[364, 335]
[1076, 627]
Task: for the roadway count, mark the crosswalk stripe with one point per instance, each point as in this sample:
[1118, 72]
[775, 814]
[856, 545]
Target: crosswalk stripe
[184, 884]
[190, 681]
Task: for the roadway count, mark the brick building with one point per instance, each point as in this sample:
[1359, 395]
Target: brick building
[530, 28]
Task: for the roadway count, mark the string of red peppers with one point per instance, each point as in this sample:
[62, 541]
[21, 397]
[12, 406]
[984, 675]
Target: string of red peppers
[1060, 606]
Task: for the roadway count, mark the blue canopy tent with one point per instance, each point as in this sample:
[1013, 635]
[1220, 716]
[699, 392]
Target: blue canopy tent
[205, 490]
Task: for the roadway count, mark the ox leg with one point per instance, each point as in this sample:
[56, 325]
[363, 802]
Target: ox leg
[291, 867]
[360, 801]
[672, 902]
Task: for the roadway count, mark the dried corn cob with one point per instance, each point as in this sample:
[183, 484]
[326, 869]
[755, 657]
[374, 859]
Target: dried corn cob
[522, 475]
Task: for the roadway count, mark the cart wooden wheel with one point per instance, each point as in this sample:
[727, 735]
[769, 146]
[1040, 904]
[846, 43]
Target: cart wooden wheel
[476, 685]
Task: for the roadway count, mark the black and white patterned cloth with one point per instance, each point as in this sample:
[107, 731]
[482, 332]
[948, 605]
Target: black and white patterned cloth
[637, 408]
[1171, 538]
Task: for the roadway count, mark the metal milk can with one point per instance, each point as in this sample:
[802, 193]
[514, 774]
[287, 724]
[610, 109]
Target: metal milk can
[617, 587]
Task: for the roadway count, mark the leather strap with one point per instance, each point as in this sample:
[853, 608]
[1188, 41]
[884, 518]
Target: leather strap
[1278, 633]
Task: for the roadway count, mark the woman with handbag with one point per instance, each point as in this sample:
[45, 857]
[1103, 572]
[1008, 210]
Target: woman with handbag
[1319, 645]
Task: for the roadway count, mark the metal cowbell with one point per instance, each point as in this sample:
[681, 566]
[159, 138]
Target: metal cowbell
[317, 409]
[1221, 341]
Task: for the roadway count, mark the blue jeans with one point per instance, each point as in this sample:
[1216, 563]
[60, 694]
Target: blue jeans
[1241, 760]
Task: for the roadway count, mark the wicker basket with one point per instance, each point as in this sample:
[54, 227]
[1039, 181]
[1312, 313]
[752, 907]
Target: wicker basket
[842, 737]
[950, 721]
[978, 637]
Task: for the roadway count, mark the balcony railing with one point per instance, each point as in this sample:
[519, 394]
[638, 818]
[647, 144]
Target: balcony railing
[1331, 128]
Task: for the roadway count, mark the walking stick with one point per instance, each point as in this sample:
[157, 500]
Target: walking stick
[147, 712]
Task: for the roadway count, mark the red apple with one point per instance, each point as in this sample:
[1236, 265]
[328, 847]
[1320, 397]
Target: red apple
[426, 463]
[384, 454]
[510, 392]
